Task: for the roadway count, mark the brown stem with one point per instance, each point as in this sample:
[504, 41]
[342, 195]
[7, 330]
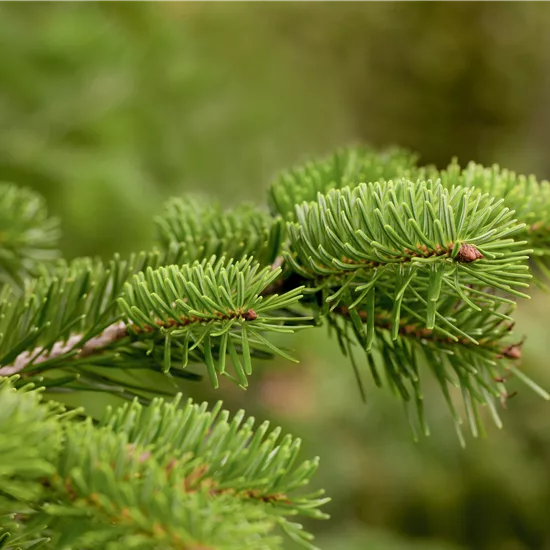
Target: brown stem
[511, 352]
[113, 333]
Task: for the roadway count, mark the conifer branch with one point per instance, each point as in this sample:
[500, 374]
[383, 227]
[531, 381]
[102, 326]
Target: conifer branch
[189, 314]
[152, 484]
[429, 240]
[527, 197]
[112, 334]
[411, 252]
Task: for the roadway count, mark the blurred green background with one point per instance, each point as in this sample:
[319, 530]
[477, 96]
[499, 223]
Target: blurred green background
[108, 109]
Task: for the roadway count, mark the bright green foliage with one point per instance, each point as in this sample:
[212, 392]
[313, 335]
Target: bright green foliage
[207, 230]
[28, 237]
[66, 311]
[138, 479]
[77, 328]
[409, 227]
[417, 269]
[407, 239]
[390, 265]
[391, 259]
[30, 439]
[477, 362]
[529, 199]
[213, 307]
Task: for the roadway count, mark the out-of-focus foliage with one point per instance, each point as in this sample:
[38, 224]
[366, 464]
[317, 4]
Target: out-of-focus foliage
[464, 79]
[108, 109]
[28, 236]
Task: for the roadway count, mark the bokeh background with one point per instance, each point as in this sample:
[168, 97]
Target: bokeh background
[109, 109]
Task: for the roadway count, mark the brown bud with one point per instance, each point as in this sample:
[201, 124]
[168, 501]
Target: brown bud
[250, 315]
[468, 253]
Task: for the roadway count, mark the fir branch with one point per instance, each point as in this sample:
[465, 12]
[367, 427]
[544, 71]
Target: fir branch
[416, 235]
[405, 262]
[97, 344]
[211, 307]
[71, 307]
[527, 197]
[197, 480]
[188, 314]
[479, 367]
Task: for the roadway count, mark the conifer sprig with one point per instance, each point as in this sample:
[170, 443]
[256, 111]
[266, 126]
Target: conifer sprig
[216, 308]
[419, 270]
[404, 259]
[414, 240]
[140, 478]
[528, 197]
[72, 298]
[85, 324]
[478, 363]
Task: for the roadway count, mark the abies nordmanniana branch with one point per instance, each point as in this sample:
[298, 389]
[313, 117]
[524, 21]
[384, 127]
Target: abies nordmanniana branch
[163, 476]
[415, 270]
[104, 321]
[416, 267]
